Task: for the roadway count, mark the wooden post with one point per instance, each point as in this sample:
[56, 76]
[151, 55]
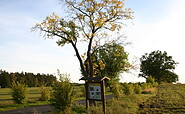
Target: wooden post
[103, 96]
[87, 101]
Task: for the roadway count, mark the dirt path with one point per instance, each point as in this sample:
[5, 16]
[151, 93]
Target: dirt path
[42, 108]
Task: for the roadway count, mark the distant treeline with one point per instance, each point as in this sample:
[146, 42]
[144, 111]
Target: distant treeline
[30, 79]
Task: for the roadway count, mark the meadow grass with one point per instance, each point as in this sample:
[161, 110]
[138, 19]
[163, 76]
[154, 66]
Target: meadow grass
[170, 98]
[127, 103]
[6, 102]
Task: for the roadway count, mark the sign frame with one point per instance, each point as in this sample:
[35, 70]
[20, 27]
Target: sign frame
[101, 88]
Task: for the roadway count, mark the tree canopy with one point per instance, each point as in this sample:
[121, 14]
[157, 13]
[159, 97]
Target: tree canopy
[158, 65]
[110, 60]
[86, 21]
[30, 79]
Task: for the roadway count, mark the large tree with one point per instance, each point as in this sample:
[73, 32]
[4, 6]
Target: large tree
[86, 21]
[158, 65]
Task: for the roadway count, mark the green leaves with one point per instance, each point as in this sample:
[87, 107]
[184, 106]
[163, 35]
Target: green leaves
[63, 94]
[159, 65]
[19, 92]
[114, 57]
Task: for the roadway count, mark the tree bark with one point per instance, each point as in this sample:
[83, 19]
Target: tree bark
[80, 60]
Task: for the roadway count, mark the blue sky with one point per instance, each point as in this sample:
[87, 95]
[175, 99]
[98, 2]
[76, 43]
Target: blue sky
[158, 25]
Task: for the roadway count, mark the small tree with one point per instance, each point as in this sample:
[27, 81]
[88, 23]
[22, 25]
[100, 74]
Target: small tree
[128, 89]
[137, 88]
[19, 92]
[45, 93]
[63, 94]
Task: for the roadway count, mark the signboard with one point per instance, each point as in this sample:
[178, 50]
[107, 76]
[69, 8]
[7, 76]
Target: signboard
[94, 91]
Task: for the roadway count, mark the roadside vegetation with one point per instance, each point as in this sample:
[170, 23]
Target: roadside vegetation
[134, 97]
[35, 95]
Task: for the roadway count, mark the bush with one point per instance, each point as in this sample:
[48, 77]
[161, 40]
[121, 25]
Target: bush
[128, 89]
[137, 89]
[116, 88]
[19, 92]
[151, 81]
[62, 96]
[45, 93]
[144, 86]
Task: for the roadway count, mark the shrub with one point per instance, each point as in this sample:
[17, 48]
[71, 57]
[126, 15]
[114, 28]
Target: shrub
[144, 86]
[45, 93]
[62, 96]
[19, 92]
[116, 88]
[128, 89]
[150, 80]
[137, 89]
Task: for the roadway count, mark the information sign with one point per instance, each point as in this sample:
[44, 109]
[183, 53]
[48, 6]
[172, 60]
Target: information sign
[94, 91]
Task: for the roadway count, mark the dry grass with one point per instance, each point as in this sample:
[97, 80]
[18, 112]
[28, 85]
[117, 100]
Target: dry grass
[149, 90]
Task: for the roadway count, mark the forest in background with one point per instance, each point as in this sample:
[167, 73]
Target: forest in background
[30, 79]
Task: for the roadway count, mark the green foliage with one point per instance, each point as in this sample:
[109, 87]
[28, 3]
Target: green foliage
[30, 79]
[45, 93]
[128, 89]
[5, 80]
[144, 85]
[63, 94]
[151, 81]
[116, 88]
[19, 92]
[110, 60]
[137, 89]
[158, 65]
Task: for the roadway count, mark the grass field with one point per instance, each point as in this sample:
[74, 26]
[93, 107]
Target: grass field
[7, 104]
[5, 97]
[167, 98]
[170, 98]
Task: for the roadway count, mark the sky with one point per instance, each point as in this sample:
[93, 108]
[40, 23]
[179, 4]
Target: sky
[157, 25]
